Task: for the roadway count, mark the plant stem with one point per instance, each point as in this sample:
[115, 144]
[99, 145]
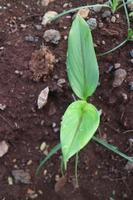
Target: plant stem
[62, 166]
[78, 8]
[76, 169]
[126, 13]
[115, 48]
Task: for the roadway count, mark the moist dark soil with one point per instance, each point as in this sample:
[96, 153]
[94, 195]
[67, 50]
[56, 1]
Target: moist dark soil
[101, 173]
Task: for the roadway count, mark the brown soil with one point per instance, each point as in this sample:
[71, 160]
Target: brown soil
[102, 175]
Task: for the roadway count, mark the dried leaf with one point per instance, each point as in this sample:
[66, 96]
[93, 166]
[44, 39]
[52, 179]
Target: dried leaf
[42, 98]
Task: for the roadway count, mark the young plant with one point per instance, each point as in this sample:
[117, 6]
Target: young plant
[114, 5]
[81, 119]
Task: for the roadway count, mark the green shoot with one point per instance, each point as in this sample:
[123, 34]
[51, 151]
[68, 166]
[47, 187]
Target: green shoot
[129, 34]
[131, 14]
[51, 153]
[114, 5]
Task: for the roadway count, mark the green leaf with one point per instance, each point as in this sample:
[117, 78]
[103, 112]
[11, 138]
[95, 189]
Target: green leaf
[79, 124]
[112, 148]
[130, 34]
[82, 67]
[114, 4]
[131, 14]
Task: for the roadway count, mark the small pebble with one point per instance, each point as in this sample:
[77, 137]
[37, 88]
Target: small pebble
[65, 5]
[100, 25]
[65, 37]
[131, 143]
[106, 14]
[131, 53]
[125, 97]
[10, 180]
[131, 60]
[53, 125]
[57, 177]
[38, 27]
[23, 26]
[46, 2]
[40, 192]
[56, 130]
[131, 86]
[45, 152]
[29, 162]
[45, 172]
[52, 36]
[18, 72]
[117, 65]
[119, 77]
[117, 16]
[30, 38]
[113, 19]
[43, 146]
[103, 42]
[48, 16]
[2, 106]
[3, 148]
[92, 22]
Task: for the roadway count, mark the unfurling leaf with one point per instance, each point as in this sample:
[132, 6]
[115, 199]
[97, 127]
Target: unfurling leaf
[82, 67]
[79, 124]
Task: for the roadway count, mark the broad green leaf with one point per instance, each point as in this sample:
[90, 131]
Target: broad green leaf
[79, 124]
[82, 67]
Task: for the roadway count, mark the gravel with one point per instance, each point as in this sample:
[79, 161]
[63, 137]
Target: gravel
[52, 36]
[119, 77]
[92, 22]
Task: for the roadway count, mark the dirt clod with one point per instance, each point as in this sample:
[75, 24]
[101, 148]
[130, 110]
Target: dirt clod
[21, 176]
[119, 77]
[52, 36]
[42, 64]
